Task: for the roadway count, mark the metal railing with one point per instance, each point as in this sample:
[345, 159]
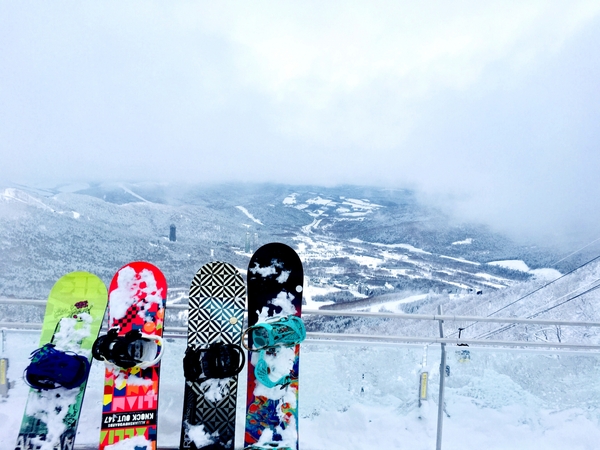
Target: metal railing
[179, 332]
[316, 337]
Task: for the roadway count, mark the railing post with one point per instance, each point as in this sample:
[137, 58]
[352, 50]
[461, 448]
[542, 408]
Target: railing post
[423, 378]
[4, 383]
[440, 418]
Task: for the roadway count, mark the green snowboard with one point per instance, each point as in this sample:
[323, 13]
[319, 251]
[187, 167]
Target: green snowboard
[73, 318]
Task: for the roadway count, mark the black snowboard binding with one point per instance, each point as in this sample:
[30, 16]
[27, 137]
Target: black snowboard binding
[133, 349]
[218, 360]
[51, 368]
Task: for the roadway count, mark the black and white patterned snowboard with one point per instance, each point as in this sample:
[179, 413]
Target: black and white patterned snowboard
[216, 314]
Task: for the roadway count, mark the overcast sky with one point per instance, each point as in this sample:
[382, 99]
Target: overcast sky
[491, 107]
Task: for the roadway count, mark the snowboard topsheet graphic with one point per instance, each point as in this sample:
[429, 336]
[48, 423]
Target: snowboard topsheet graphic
[275, 279]
[59, 368]
[215, 317]
[136, 309]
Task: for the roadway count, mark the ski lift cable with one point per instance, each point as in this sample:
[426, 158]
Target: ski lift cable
[562, 276]
[566, 301]
[576, 251]
[507, 327]
[536, 290]
[545, 285]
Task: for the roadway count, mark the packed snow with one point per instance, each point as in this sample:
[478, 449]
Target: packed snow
[129, 282]
[363, 397]
[310, 291]
[408, 247]
[337, 210]
[320, 201]
[546, 274]
[466, 241]
[462, 260]
[215, 389]
[513, 264]
[250, 216]
[394, 305]
[200, 437]
[129, 444]
[290, 199]
[133, 194]
[517, 264]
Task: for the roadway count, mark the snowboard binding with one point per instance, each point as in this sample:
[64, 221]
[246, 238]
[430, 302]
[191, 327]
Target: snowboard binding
[262, 371]
[51, 368]
[280, 332]
[218, 360]
[266, 337]
[134, 349]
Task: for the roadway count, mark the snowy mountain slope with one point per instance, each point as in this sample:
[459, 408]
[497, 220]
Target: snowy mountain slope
[363, 240]
[572, 297]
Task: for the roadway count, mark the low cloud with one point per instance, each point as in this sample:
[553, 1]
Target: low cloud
[492, 107]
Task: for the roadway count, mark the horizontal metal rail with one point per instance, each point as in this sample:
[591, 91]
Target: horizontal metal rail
[435, 317]
[463, 343]
[19, 326]
[324, 338]
[24, 301]
[449, 318]
[476, 349]
[30, 302]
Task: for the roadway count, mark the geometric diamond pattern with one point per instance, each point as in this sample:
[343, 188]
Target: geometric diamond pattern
[215, 314]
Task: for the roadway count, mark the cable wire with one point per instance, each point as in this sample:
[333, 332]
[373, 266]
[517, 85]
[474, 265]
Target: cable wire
[507, 327]
[536, 290]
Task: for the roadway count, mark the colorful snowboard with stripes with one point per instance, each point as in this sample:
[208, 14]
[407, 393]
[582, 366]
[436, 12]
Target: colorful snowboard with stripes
[275, 279]
[137, 300]
[74, 313]
[216, 314]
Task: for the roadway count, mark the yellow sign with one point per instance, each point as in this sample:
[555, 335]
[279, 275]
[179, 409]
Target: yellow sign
[3, 371]
[424, 376]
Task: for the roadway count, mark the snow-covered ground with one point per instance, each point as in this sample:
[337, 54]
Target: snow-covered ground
[311, 291]
[250, 216]
[517, 264]
[395, 305]
[357, 397]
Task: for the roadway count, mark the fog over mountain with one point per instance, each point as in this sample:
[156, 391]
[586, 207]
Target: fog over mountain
[489, 110]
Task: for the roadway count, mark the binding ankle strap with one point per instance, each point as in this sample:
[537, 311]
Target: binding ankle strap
[114, 349]
[284, 331]
[218, 360]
